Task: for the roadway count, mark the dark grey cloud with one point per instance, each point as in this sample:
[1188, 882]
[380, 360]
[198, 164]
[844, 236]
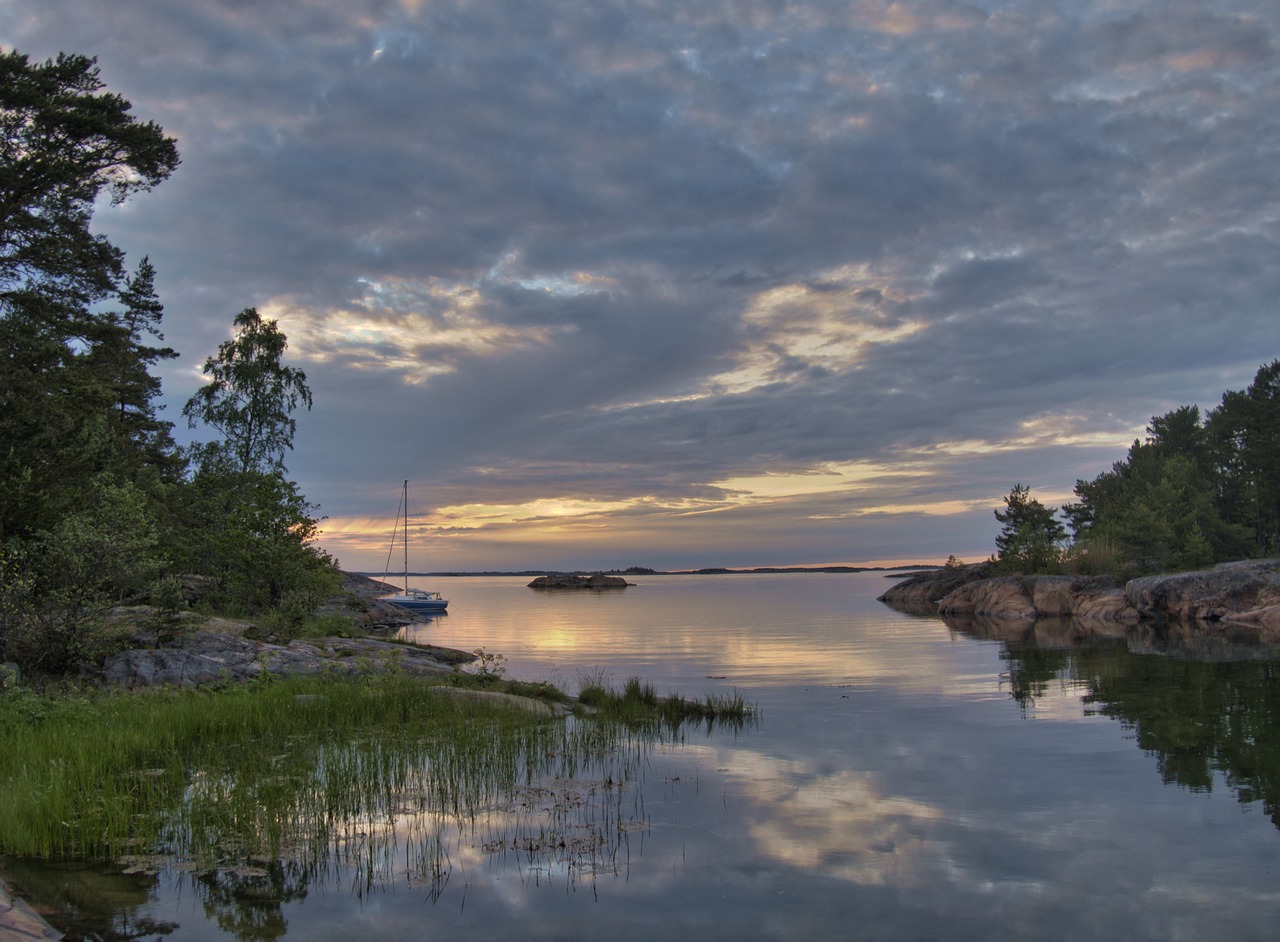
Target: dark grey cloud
[626, 253]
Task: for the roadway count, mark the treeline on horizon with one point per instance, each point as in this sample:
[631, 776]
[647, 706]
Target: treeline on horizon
[98, 505]
[1199, 490]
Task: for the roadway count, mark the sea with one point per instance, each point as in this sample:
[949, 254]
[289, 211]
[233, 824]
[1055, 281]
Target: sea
[901, 778]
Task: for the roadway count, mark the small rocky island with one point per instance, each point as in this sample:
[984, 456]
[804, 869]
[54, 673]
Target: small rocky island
[567, 580]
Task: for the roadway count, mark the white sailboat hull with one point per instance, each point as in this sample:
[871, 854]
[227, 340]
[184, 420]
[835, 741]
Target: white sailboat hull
[418, 600]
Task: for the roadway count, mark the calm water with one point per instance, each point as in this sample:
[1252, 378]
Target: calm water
[906, 780]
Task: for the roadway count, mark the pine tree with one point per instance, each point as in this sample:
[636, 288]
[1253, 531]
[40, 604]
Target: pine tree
[1031, 539]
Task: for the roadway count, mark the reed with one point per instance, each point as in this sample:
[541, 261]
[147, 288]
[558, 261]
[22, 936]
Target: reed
[96, 776]
[311, 770]
[638, 705]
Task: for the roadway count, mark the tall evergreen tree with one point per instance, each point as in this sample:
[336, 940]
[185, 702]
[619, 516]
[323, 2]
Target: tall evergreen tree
[123, 358]
[1244, 433]
[1030, 540]
[64, 143]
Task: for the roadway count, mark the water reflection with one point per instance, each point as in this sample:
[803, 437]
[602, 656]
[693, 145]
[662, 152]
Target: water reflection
[1202, 719]
[566, 822]
[87, 902]
[840, 824]
[929, 780]
[247, 902]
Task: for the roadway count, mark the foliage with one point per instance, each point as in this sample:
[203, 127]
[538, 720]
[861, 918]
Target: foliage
[253, 533]
[1194, 493]
[124, 358]
[1243, 436]
[251, 395]
[15, 593]
[103, 554]
[330, 625]
[638, 705]
[489, 667]
[92, 485]
[97, 775]
[542, 690]
[64, 141]
[291, 767]
[1030, 540]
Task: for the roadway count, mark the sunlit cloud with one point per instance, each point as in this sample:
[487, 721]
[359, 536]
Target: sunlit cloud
[528, 522]
[1042, 431]
[935, 508]
[823, 478]
[830, 323]
[414, 330]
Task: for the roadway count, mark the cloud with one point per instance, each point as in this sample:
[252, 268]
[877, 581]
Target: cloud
[612, 256]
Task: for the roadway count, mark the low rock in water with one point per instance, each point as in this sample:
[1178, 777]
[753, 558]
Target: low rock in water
[571, 581]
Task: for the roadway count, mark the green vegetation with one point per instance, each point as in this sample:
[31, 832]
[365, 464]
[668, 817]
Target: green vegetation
[638, 705]
[98, 506]
[1031, 535]
[287, 768]
[1195, 492]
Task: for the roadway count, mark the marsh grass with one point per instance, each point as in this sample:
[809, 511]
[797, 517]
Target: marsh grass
[324, 772]
[266, 769]
[638, 705]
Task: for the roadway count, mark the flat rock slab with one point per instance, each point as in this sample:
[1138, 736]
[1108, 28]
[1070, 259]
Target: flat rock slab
[19, 922]
[207, 657]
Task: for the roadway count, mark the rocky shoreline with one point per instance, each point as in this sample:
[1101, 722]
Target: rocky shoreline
[208, 650]
[1239, 600]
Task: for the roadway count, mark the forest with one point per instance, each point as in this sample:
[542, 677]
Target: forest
[1198, 490]
[98, 505]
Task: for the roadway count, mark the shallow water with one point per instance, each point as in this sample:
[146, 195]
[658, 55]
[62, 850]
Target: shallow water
[905, 780]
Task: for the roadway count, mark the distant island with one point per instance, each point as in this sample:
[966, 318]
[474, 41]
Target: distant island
[645, 571]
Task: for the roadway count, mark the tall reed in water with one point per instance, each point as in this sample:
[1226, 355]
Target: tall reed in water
[309, 769]
[264, 769]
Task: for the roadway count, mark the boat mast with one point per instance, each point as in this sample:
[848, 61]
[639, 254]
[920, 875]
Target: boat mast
[405, 499]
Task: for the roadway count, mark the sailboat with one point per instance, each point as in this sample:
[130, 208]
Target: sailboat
[415, 600]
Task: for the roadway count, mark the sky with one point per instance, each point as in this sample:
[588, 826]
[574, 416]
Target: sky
[676, 284]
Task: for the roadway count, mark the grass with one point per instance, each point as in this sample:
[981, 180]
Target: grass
[95, 776]
[306, 768]
[638, 704]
